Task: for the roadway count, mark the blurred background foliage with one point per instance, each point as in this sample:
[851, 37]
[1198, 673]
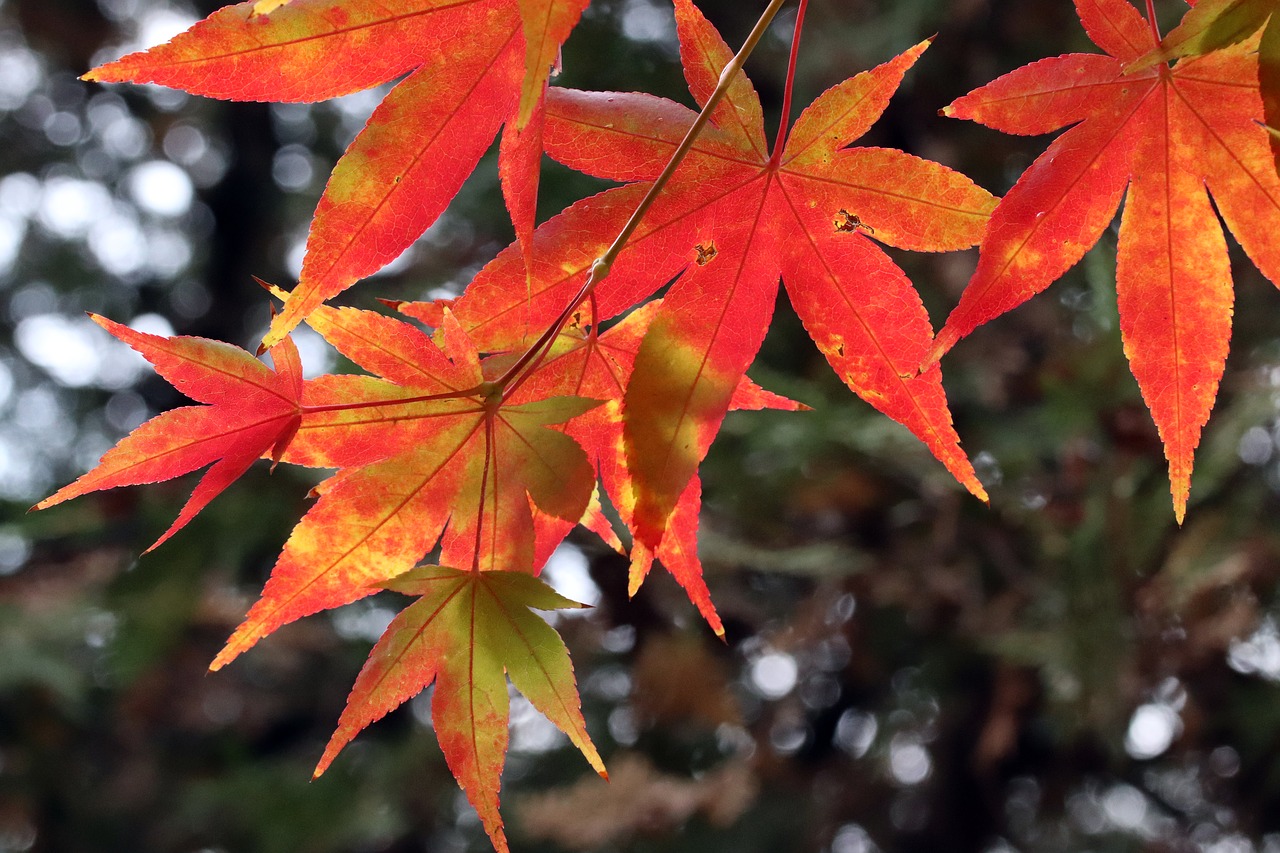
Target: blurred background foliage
[905, 670]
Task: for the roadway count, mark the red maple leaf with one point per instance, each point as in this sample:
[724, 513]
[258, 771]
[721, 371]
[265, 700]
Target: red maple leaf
[251, 411]
[731, 221]
[744, 217]
[1167, 135]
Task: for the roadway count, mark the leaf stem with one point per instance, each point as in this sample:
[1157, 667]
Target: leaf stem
[512, 378]
[780, 141]
[1151, 19]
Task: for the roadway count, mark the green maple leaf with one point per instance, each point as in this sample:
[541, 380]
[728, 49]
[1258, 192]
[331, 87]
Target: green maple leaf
[466, 629]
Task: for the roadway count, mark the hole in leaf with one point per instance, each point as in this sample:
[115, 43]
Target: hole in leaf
[846, 222]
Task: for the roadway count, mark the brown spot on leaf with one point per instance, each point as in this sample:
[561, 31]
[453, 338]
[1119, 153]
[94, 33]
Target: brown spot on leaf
[846, 222]
[705, 253]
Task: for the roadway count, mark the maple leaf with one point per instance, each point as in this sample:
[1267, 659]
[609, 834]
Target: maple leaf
[464, 630]
[250, 410]
[745, 217]
[1208, 26]
[472, 66]
[1166, 135]
[599, 366]
[429, 453]
[1216, 24]
[429, 450]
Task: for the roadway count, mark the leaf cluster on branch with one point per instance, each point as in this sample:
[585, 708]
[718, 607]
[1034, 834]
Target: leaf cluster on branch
[558, 390]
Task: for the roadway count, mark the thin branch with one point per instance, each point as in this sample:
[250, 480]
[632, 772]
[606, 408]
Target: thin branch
[600, 268]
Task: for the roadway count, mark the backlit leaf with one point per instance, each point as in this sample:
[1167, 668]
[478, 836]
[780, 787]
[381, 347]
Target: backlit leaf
[1166, 135]
[463, 632]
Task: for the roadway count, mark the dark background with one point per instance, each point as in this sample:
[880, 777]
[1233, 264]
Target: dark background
[906, 669]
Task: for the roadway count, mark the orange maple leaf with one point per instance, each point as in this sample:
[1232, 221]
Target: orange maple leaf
[1167, 135]
[434, 457]
[472, 65]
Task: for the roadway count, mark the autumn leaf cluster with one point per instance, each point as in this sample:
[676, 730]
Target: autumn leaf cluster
[559, 391]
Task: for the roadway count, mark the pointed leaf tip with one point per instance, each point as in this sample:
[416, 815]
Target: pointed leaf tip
[275, 290]
[941, 346]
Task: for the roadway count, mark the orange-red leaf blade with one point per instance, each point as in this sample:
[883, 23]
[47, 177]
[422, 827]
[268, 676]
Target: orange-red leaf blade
[702, 340]
[1045, 95]
[1221, 119]
[304, 50]
[405, 167]
[620, 136]
[392, 349]
[898, 199]
[869, 322]
[172, 444]
[1116, 26]
[847, 110]
[704, 55]
[547, 23]
[1053, 215]
[678, 553]
[1173, 280]
[207, 371]
[519, 167]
